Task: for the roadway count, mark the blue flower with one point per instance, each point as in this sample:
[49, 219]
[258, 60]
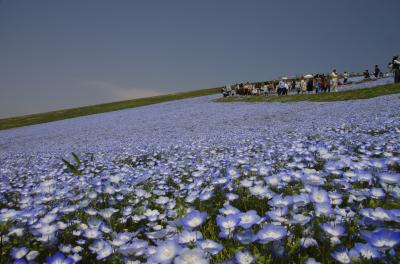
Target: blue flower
[319, 196]
[390, 178]
[323, 209]
[365, 251]
[189, 237]
[19, 253]
[229, 209]
[210, 246]
[335, 230]
[301, 199]
[59, 258]
[307, 242]
[195, 255]
[248, 219]
[271, 232]
[279, 201]
[246, 237]
[194, 219]
[342, 255]
[244, 257]
[384, 238]
[228, 222]
[166, 252]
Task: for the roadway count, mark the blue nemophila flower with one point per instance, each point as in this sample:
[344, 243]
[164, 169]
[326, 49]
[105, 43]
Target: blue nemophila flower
[121, 239]
[94, 222]
[228, 222]
[379, 214]
[270, 233]
[301, 199]
[59, 258]
[228, 209]
[76, 257]
[166, 252]
[232, 196]
[108, 212]
[332, 229]
[273, 181]
[65, 248]
[383, 238]
[19, 253]
[390, 178]
[210, 246]
[193, 219]
[248, 219]
[307, 242]
[189, 237]
[364, 251]
[377, 193]
[92, 233]
[319, 196]
[152, 215]
[104, 252]
[135, 247]
[49, 218]
[32, 255]
[323, 209]
[300, 219]
[188, 256]
[244, 257]
[342, 256]
[279, 201]
[278, 214]
[312, 261]
[258, 190]
[246, 237]
[91, 211]
[206, 195]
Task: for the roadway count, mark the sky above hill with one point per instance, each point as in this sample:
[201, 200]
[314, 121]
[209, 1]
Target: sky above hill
[58, 54]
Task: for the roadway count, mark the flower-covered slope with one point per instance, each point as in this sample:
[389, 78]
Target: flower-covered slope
[200, 182]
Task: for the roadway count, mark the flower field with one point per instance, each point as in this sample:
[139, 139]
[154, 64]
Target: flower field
[195, 181]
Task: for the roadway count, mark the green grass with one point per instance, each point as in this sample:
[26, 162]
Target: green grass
[364, 93]
[100, 108]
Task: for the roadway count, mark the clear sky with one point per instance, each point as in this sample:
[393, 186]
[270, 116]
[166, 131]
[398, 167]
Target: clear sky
[65, 53]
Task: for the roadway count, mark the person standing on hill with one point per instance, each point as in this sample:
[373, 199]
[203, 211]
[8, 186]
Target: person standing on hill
[345, 77]
[293, 85]
[395, 65]
[377, 71]
[303, 85]
[310, 86]
[366, 74]
[334, 80]
[323, 83]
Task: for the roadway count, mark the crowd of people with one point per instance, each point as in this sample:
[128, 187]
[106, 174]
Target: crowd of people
[318, 83]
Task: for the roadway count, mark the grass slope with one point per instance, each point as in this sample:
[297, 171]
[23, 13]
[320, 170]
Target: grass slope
[323, 97]
[12, 122]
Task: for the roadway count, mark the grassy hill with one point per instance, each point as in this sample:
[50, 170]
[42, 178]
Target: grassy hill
[365, 93]
[100, 108]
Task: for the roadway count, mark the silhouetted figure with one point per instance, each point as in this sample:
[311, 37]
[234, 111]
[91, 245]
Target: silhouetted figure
[395, 67]
[345, 77]
[377, 71]
[366, 74]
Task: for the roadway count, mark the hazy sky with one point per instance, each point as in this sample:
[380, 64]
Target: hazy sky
[65, 53]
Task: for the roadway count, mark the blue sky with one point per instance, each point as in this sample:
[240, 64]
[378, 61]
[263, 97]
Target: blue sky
[58, 54]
